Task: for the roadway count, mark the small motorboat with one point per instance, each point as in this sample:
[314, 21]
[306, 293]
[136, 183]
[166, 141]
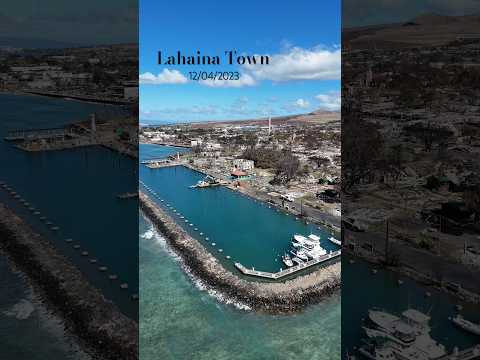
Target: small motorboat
[297, 260]
[314, 237]
[287, 260]
[299, 238]
[300, 254]
[335, 241]
[466, 325]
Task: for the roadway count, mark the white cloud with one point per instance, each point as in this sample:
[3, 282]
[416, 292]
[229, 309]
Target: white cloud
[331, 101]
[165, 77]
[302, 104]
[245, 80]
[300, 64]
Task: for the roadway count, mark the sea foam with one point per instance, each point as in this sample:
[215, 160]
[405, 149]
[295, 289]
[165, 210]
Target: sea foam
[199, 284]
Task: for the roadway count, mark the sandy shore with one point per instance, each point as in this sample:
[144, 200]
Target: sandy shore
[91, 317]
[279, 297]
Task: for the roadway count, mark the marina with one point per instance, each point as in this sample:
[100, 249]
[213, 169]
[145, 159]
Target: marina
[404, 316]
[291, 270]
[236, 223]
[272, 297]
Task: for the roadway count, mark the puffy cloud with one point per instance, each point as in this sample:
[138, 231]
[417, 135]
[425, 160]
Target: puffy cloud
[297, 63]
[331, 101]
[302, 104]
[165, 77]
[245, 80]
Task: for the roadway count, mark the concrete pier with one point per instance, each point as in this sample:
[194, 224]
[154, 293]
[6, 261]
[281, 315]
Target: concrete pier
[291, 270]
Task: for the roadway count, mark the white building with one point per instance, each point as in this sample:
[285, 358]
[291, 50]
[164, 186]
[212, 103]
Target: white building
[243, 164]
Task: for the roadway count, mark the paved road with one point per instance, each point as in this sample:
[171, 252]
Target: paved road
[421, 260]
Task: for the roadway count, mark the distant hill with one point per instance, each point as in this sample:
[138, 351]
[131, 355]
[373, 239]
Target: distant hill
[31, 43]
[315, 117]
[422, 30]
[434, 19]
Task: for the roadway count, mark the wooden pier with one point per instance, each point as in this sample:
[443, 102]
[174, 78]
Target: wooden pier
[290, 270]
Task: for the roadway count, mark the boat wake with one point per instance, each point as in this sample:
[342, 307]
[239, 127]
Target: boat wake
[153, 234]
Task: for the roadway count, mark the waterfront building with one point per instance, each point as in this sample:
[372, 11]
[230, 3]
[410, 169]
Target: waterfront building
[239, 174]
[243, 164]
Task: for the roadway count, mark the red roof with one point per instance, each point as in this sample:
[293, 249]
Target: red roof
[238, 172]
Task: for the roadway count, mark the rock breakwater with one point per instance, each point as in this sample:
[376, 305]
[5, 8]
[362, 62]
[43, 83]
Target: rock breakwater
[94, 319]
[279, 297]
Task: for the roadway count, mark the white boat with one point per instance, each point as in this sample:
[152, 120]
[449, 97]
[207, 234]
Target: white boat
[410, 333]
[316, 252]
[296, 245]
[314, 238]
[297, 260]
[304, 241]
[373, 352]
[299, 238]
[300, 254]
[466, 325]
[200, 184]
[335, 241]
[287, 260]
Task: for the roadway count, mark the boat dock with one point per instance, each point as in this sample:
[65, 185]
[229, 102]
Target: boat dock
[36, 134]
[159, 163]
[467, 354]
[290, 270]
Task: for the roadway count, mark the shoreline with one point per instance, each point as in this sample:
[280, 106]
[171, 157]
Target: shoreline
[333, 228]
[274, 298]
[95, 320]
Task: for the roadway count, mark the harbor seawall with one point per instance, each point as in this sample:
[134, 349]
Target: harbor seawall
[278, 297]
[94, 319]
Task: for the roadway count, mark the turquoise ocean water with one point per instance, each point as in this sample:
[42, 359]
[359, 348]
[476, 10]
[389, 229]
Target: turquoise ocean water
[179, 319]
[249, 231]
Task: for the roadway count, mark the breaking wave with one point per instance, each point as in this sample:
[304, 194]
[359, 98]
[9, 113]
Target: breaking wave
[21, 310]
[199, 284]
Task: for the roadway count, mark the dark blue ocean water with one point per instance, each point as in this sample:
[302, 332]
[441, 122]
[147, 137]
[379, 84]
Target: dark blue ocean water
[76, 190]
[28, 330]
[249, 231]
[363, 290]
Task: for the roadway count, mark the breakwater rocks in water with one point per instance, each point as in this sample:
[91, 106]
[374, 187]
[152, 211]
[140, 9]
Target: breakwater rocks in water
[279, 297]
[94, 319]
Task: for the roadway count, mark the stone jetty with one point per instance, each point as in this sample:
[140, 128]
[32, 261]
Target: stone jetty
[277, 297]
[94, 319]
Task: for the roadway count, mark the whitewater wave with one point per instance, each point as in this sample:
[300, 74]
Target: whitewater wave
[148, 234]
[21, 310]
[32, 307]
[199, 284]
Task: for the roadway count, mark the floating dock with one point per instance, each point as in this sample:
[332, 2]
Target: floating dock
[290, 270]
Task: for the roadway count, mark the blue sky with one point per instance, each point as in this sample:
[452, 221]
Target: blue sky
[302, 39]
